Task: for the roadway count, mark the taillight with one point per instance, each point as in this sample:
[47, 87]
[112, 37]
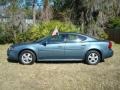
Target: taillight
[110, 45]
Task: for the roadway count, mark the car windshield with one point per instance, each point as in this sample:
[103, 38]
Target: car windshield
[39, 40]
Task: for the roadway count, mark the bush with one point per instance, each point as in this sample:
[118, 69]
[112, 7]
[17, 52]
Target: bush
[113, 29]
[45, 28]
[114, 23]
[98, 32]
[1, 35]
[5, 35]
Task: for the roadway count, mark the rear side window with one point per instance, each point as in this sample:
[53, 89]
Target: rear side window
[75, 38]
[72, 37]
[82, 38]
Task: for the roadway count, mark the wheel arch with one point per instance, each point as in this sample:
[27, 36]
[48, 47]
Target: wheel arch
[100, 52]
[28, 50]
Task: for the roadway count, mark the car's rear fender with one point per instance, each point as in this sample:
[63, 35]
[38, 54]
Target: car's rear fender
[94, 49]
[101, 47]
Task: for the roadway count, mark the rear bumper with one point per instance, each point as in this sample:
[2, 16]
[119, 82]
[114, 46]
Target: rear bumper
[109, 54]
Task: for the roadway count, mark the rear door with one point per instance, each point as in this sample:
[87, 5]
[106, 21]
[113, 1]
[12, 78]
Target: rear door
[75, 46]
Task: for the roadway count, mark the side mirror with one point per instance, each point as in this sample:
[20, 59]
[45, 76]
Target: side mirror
[44, 43]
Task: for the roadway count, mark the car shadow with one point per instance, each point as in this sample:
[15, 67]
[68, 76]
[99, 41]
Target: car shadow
[49, 62]
[58, 62]
[12, 61]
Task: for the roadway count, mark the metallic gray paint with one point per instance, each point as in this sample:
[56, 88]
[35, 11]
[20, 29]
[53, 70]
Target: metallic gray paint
[61, 51]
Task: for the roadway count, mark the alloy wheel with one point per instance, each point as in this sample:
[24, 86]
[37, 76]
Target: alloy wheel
[93, 58]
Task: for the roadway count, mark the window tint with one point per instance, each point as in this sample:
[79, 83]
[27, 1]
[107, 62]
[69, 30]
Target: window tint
[56, 38]
[82, 38]
[72, 37]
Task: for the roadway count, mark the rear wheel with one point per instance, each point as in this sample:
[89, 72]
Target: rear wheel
[93, 57]
[27, 57]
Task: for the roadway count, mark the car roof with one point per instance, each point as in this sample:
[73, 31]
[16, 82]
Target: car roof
[87, 36]
[70, 33]
[76, 34]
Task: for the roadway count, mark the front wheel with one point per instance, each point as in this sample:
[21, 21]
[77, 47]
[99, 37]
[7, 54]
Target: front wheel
[93, 57]
[27, 57]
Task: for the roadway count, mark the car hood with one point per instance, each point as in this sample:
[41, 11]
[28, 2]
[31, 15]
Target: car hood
[19, 44]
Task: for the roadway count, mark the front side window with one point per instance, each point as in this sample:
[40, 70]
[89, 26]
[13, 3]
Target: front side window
[56, 39]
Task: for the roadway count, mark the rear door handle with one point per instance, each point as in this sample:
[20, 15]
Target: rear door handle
[83, 45]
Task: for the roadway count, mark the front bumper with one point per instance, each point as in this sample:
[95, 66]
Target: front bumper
[12, 55]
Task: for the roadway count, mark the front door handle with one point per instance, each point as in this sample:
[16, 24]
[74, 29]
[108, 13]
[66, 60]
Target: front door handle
[60, 46]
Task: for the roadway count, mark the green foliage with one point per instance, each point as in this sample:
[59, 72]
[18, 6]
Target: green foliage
[6, 36]
[2, 35]
[28, 12]
[45, 28]
[101, 34]
[114, 23]
[97, 32]
[113, 29]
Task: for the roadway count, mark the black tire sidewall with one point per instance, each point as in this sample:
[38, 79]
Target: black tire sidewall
[93, 51]
[27, 51]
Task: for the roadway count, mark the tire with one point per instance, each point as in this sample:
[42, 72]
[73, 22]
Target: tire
[93, 57]
[102, 60]
[27, 57]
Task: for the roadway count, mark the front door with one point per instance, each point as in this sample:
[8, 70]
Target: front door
[54, 48]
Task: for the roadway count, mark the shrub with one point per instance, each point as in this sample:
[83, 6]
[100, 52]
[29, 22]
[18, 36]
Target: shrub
[1, 35]
[114, 22]
[5, 35]
[98, 32]
[45, 28]
[113, 29]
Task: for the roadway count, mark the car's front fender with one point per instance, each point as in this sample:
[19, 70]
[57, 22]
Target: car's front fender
[33, 48]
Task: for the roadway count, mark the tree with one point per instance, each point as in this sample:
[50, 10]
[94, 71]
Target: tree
[46, 14]
[91, 15]
[62, 9]
[15, 18]
[34, 11]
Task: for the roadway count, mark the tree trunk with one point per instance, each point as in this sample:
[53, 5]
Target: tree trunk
[47, 12]
[45, 4]
[34, 12]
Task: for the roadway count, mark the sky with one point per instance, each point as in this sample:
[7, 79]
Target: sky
[38, 1]
[29, 3]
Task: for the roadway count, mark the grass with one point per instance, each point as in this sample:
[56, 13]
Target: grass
[60, 76]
